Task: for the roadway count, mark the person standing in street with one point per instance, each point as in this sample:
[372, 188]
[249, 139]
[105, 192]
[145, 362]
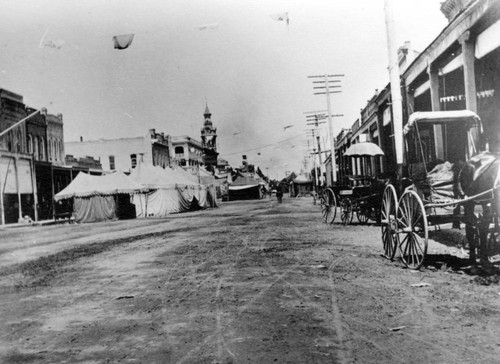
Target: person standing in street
[279, 193]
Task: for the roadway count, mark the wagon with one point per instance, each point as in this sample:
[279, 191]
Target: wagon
[358, 195]
[448, 180]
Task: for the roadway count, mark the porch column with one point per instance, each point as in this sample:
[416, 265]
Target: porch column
[16, 171]
[434, 87]
[468, 47]
[35, 189]
[436, 106]
[2, 188]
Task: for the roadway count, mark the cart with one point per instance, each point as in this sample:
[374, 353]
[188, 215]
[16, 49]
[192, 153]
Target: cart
[359, 195]
[435, 191]
[362, 196]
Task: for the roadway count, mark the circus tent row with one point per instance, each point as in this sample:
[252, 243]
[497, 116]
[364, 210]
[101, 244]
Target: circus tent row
[147, 192]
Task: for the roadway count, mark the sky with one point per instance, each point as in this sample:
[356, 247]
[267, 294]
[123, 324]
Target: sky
[250, 69]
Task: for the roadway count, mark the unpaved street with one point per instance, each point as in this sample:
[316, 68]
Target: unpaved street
[251, 281]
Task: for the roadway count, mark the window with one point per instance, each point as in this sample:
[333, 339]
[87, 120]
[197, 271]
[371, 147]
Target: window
[19, 141]
[41, 149]
[61, 150]
[49, 149]
[133, 160]
[179, 150]
[30, 144]
[112, 162]
[35, 147]
[9, 141]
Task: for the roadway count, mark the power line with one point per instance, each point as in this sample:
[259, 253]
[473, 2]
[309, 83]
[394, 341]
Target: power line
[263, 146]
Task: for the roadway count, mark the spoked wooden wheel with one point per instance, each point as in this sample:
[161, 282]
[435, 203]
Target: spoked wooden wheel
[388, 221]
[412, 230]
[346, 210]
[328, 206]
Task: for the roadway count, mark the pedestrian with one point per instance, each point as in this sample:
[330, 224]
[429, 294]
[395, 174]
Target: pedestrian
[279, 193]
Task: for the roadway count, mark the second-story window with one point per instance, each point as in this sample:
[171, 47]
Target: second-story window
[19, 141]
[30, 144]
[133, 160]
[179, 150]
[112, 162]
[49, 149]
[41, 149]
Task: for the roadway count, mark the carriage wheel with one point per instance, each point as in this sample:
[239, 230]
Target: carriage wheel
[346, 210]
[328, 206]
[388, 221]
[412, 230]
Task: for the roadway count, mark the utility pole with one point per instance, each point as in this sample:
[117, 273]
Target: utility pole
[397, 104]
[313, 118]
[326, 84]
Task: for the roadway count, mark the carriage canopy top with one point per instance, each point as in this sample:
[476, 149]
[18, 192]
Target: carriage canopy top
[468, 117]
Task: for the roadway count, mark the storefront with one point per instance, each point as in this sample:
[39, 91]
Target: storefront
[17, 196]
[460, 70]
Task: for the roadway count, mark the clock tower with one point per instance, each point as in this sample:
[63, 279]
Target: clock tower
[209, 141]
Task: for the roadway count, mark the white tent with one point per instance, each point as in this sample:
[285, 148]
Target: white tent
[171, 192]
[100, 198]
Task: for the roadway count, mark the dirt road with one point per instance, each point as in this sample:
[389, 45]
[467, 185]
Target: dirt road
[249, 282]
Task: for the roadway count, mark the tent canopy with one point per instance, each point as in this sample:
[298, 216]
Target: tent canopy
[157, 177]
[85, 185]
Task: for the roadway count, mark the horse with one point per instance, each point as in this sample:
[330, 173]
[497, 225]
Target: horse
[477, 177]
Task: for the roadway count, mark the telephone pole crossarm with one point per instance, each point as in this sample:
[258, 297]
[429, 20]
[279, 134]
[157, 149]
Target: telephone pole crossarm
[326, 84]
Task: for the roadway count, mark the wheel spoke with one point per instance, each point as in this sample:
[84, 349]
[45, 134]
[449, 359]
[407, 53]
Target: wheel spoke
[412, 222]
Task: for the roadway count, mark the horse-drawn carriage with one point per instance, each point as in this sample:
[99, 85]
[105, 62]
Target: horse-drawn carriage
[359, 195]
[448, 181]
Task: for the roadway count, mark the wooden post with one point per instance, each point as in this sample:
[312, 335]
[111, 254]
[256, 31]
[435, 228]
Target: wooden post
[53, 201]
[2, 188]
[397, 102]
[35, 189]
[436, 106]
[468, 48]
[16, 172]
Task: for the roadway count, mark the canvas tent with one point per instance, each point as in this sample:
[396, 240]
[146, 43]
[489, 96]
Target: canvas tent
[100, 198]
[171, 192]
[244, 187]
[207, 179]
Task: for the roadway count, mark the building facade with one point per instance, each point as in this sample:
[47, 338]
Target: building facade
[17, 177]
[124, 153]
[188, 152]
[459, 70]
[55, 138]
